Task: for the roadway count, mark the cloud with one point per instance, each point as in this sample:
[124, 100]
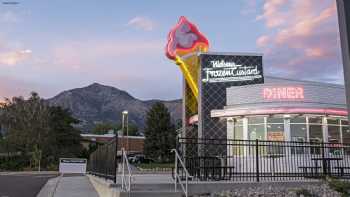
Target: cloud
[14, 57]
[273, 14]
[12, 52]
[142, 23]
[11, 86]
[301, 39]
[262, 41]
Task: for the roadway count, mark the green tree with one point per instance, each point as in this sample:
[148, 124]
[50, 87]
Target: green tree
[31, 127]
[65, 139]
[160, 133]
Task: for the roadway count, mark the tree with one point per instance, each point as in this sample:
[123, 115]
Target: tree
[26, 122]
[65, 139]
[160, 134]
[31, 127]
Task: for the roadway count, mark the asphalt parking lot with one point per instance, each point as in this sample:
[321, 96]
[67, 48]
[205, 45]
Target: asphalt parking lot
[23, 184]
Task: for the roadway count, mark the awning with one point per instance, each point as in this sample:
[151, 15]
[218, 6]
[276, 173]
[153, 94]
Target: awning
[278, 110]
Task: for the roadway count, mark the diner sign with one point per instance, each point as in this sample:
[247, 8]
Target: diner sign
[283, 93]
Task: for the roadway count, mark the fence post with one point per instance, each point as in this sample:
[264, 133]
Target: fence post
[175, 172]
[106, 162]
[323, 161]
[257, 159]
[116, 157]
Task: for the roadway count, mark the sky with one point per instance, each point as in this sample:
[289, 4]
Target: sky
[52, 46]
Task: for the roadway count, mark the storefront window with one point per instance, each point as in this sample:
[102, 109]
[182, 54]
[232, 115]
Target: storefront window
[238, 147]
[298, 133]
[238, 130]
[275, 132]
[315, 129]
[315, 132]
[345, 132]
[346, 136]
[333, 131]
[275, 129]
[256, 130]
[334, 136]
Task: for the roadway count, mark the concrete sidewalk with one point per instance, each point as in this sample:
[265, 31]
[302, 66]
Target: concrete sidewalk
[68, 185]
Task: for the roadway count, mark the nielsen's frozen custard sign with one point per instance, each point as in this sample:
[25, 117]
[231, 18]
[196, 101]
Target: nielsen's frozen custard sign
[229, 71]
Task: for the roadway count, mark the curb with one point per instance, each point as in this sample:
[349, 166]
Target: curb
[50, 187]
[103, 187]
[28, 172]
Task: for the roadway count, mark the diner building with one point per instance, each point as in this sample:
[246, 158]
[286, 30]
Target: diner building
[285, 110]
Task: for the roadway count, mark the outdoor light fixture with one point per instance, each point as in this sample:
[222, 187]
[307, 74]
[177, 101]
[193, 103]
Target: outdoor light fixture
[125, 125]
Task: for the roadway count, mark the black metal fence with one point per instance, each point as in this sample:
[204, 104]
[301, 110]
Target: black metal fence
[256, 160]
[103, 162]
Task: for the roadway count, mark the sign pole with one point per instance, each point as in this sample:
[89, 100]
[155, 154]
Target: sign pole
[343, 7]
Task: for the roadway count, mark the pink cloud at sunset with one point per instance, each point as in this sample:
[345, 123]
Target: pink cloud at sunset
[10, 87]
[303, 41]
[262, 41]
[13, 57]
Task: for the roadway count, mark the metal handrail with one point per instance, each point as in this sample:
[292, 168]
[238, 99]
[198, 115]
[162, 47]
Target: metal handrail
[125, 162]
[177, 177]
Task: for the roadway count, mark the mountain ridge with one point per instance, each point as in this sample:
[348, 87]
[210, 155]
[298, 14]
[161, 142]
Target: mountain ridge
[98, 103]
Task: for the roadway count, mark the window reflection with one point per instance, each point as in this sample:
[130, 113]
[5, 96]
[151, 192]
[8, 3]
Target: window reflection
[316, 136]
[238, 135]
[346, 138]
[275, 132]
[298, 132]
[334, 136]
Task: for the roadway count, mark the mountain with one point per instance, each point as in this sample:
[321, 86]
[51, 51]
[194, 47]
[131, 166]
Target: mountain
[99, 103]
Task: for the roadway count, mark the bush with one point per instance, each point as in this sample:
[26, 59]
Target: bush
[52, 167]
[13, 163]
[340, 186]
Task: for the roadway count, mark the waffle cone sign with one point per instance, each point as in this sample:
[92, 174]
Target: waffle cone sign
[184, 42]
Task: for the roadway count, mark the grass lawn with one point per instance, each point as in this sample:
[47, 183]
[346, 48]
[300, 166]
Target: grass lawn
[155, 165]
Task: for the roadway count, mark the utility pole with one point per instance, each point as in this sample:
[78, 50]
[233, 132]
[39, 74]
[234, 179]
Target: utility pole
[343, 7]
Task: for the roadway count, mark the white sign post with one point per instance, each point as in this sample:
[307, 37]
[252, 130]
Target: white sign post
[72, 165]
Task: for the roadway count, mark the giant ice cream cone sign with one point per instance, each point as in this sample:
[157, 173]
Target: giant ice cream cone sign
[184, 42]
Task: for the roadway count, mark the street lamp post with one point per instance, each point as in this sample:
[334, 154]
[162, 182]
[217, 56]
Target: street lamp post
[126, 125]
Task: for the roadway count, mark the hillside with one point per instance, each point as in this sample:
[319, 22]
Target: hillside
[99, 103]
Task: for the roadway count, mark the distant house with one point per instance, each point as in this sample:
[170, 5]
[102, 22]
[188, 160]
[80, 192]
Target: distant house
[136, 143]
